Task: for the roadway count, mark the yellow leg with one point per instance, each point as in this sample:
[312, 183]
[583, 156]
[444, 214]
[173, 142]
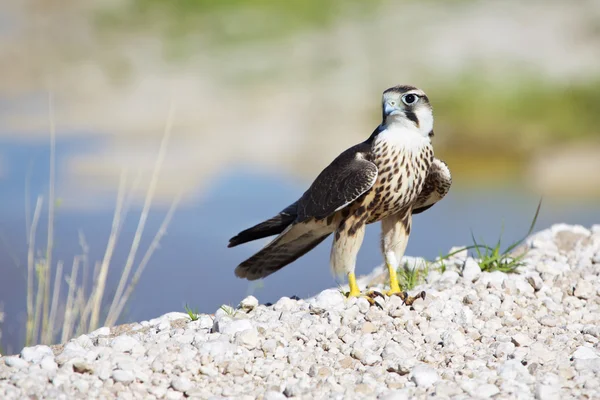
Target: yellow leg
[354, 292]
[394, 286]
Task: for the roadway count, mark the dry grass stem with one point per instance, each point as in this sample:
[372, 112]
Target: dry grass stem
[144, 215]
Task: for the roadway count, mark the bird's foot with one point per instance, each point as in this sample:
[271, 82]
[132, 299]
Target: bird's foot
[369, 296]
[355, 292]
[408, 300]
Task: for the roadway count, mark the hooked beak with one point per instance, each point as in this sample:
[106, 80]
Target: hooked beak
[389, 109]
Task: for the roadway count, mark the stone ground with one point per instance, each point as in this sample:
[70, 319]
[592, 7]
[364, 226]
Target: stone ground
[476, 334]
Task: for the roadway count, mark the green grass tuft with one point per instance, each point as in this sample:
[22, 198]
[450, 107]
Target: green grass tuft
[193, 314]
[493, 258]
[410, 277]
[228, 309]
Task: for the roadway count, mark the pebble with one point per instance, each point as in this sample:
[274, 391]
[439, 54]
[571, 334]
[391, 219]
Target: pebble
[487, 390]
[181, 384]
[36, 354]
[124, 343]
[471, 270]
[584, 289]
[123, 376]
[521, 339]
[476, 335]
[16, 362]
[423, 375]
[249, 303]
[585, 353]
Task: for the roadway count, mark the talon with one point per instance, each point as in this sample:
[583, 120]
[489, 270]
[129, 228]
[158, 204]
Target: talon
[410, 299]
[372, 294]
[370, 297]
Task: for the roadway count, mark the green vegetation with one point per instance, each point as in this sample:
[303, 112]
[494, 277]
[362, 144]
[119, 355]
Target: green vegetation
[193, 314]
[525, 111]
[492, 258]
[410, 277]
[228, 309]
[222, 23]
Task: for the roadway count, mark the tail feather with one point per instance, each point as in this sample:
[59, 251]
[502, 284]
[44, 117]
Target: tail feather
[296, 241]
[270, 227]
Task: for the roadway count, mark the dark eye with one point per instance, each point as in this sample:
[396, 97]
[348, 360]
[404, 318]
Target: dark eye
[410, 99]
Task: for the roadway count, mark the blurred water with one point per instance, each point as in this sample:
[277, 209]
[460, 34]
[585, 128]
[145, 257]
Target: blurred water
[194, 265]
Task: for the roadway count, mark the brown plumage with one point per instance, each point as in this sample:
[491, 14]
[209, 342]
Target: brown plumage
[387, 178]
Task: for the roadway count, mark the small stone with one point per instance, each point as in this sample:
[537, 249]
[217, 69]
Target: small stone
[249, 303]
[450, 276]
[423, 375]
[330, 299]
[396, 395]
[584, 289]
[82, 367]
[547, 392]
[81, 385]
[103, 370]
[368, 327]
[521, 339]
[284, 304]
[504, 349]
[173, 395]
[104, 331]
[513, 370]
[486, 391]
[273, 395]
[549, 320]
[471, 270]
[235, 326]
[585, 353]
[181, 384]
[85, 341]
[124, 343]
[366, 357]
[248, 338]
[541, 353]
[35, 354]
[459, 254]
[15, 362]
[208, 371]
[492, 279]
[346, 362]
[535, 281]
[48, 364]
[123, 376]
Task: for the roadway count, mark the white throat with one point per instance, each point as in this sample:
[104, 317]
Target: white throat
[403, 135]
[424, 116]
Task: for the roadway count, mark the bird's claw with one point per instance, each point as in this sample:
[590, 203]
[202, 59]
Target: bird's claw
[409, 300]
[369, 296]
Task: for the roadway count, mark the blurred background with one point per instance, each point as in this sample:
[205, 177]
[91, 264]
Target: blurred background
[264, 94]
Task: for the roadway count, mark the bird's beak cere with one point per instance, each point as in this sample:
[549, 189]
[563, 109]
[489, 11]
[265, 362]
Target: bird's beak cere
[389, 109]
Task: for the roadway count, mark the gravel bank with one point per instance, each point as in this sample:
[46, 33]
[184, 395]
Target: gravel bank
[476, 335]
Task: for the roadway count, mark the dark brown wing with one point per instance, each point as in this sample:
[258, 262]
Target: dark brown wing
[344, 180]
[437, 184]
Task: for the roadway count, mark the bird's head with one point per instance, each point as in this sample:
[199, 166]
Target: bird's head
[409, 107]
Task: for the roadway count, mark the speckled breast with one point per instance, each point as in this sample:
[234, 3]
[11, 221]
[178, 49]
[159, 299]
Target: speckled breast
[401, 177]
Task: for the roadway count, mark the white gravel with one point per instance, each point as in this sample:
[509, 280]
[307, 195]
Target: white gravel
[481, 335]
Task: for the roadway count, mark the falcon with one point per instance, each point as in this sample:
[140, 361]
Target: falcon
[388, 177]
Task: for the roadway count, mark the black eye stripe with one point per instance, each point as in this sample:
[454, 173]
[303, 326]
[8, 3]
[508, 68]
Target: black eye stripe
[413, 117]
